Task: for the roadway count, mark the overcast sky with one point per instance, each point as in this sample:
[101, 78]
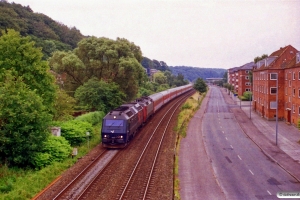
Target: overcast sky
[198, 33]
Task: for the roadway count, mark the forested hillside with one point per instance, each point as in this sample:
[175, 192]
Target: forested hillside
[192, 73]
[47, 33]
[155, 64]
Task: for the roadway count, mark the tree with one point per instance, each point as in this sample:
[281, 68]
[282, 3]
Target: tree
[200, 85]
[108, 60]
[19, 55]
[24, 121]
[99, 95]
[27, 95]
[64, 106]
[258, 58]
[160, 78]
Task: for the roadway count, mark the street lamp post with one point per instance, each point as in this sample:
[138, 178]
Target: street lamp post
[276, 107]
[250, 104]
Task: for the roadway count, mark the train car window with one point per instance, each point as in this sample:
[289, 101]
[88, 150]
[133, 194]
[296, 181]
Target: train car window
[114, 122]
[129, 113]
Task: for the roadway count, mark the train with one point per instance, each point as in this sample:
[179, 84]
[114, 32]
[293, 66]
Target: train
[120, 125]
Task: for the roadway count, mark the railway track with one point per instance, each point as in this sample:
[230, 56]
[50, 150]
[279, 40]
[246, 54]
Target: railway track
[149, 155]
[79, 184]
[133, 172]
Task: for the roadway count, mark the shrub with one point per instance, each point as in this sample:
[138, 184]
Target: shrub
[75, 131]
[247, 95]
[186, 106]
[55, 149]
[92, 117]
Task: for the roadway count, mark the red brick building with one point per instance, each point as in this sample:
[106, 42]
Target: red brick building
[273, 73]
[240, 77]
[244, 76]
[292, 90]
[233, 78]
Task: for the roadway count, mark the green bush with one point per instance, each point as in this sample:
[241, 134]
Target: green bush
[55, 149]
[186, 106]
[75, 131]
[247, 95]
[242, 98]
[92, 117]
[7, 185]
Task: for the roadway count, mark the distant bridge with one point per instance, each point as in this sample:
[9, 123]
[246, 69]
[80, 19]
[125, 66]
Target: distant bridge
[211, 80]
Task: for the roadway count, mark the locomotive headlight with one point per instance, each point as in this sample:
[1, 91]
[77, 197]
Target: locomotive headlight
[105, 136]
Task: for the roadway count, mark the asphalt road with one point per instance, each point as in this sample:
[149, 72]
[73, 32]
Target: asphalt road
[240, 168]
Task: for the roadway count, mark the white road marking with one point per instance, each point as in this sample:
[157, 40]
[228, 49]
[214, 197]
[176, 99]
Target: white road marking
[226, 138]
[269, 192]
[223, 132]
[251, 172]
[239, 157]
[231, 146]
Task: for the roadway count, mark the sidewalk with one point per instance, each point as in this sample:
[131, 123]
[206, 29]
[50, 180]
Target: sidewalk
[263, 132]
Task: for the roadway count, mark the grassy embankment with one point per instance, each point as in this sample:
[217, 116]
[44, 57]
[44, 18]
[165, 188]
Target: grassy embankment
[188, 110]
[25, 184]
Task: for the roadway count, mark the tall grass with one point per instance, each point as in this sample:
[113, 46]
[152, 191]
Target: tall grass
[187, 112]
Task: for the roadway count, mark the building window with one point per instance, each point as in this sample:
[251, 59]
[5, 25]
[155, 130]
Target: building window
[247, 83]
[247, 77]
[247, 71]
[299, 93]
[248, 89]
[299, 75]
[285, 90]
[273, 76]
[294, 92]
[273, 105]
[294, 76]
[299, 110]
[273, 90]
[293, 108]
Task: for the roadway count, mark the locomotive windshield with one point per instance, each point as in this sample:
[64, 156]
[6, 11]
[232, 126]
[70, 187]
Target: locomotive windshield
[114, 122]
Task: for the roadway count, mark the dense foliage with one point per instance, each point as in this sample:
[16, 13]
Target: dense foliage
[200, 85]
[154, 64]
[192, 73]
[27, 96]
[19, 55]
[75, 131]
[113, 61]
[64, 106]
[93, 118]
[258, 58]
[24, 122]
[55, 149]
[48, 34]
[99, 95]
